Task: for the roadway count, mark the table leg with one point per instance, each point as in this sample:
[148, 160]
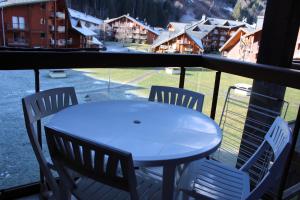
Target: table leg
[168, 182]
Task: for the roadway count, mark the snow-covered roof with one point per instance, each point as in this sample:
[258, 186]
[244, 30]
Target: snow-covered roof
[196, 36]
[223, 22]
[233, 39]
[8, 3]
[178, 26]
[197, 30]
[164, 37]
[84, 17]
[76, 25]
[95, 41]
[136, 21]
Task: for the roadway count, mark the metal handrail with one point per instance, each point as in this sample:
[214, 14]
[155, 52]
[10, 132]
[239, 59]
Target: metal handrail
[55, 59]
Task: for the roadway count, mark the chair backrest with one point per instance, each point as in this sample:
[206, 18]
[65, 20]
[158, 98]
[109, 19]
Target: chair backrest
[96, 161]
[48, 102]
[277, 140]
[37, 106]
[177, 96]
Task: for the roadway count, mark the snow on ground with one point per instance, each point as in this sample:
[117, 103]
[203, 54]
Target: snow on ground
[117, 47]
[18, 165]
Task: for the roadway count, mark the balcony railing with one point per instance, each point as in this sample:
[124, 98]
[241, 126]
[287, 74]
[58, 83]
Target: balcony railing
[17, 27]
[29, 59]
[60, 29]
[19, 42]
[59, 15]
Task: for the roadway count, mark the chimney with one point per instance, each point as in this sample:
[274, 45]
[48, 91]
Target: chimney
[203, 17]
[259, 22]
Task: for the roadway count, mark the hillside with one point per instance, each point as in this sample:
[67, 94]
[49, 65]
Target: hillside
[249, 9]
[160, 12]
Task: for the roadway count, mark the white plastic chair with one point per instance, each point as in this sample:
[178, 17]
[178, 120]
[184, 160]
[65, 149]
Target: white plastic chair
[209, 179]
[177, 96]
[36, 107]
[107, 172]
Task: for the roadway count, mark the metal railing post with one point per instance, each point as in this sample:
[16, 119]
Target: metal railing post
[182, 77]
[215, 95]
[290, 156]
[38, 123]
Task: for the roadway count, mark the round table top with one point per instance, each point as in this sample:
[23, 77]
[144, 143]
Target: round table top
[155, 133]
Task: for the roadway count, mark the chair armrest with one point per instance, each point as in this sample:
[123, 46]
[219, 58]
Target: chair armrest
[261, 149]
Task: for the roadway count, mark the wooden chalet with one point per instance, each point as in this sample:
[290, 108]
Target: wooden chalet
[41, 24]
[244, 45]
[130, 30]
[88, 26]
[206, 35]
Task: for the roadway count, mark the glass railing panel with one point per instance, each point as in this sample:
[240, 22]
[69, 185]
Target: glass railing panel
[292, 96]
[130, 83]
[18, 165]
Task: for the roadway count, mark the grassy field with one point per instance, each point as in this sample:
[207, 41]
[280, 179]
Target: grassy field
[200, 81]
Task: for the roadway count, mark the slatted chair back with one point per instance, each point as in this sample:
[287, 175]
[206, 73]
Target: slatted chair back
[277, 140]
[177, 96]
[48, 102]
[37, 106]
[102, 163]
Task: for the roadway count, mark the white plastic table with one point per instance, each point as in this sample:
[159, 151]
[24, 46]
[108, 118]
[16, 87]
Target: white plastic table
[156, 134]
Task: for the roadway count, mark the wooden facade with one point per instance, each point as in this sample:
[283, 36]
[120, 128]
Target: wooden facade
[244, 45]
[129, 30]
[39, 24]
[206, 35]
[217, 38]
[180, 44]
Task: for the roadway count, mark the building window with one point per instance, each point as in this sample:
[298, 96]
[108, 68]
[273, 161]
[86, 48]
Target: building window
[21, 23]
[18, 22]
[15, 22]
[42, 35]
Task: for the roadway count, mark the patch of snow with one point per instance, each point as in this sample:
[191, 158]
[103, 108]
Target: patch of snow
[229, 9]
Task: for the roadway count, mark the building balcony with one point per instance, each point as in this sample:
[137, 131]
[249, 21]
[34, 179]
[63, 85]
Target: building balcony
[136, 31]
[183, 42]
[222, 38]
[19, 42]
[136, 37]
[17, 27]
[89, 88]
[60, 42]
[59, 15]
[224, 33]
[243, 113]
[188, 50]
[60, 29]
